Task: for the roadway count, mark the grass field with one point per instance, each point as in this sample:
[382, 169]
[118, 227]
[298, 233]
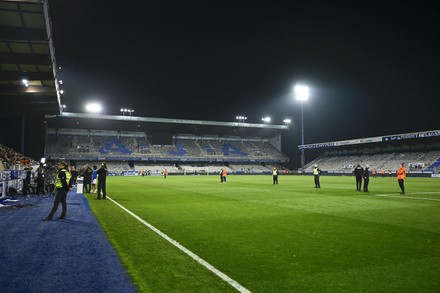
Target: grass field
[289, 237]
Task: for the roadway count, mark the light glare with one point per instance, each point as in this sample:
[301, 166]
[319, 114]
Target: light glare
[301, 92]
[93, 107]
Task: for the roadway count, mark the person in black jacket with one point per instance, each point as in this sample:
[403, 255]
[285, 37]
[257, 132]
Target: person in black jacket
[27, 181]
[358, 173]
[366, 177]
[40, 180]
[102, 178]
[87, 172]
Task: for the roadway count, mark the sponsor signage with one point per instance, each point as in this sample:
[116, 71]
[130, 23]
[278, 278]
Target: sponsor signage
[412, 135]
[397, 137]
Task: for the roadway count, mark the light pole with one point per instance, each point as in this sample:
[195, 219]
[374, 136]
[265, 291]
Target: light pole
[302, 94]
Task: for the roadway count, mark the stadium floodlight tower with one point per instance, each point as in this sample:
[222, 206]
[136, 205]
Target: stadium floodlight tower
[124, 110]
[266, 120]
[93, 108]
[241, 118]
[302, 95]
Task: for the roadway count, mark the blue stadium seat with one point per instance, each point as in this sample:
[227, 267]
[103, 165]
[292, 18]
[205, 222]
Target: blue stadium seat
[229, 149]
[114, 146]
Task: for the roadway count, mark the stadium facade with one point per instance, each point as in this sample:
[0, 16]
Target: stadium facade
[419, 151]
[134, 142]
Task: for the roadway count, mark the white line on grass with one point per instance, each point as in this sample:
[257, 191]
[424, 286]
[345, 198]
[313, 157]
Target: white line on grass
[411, 197]
[194, 256]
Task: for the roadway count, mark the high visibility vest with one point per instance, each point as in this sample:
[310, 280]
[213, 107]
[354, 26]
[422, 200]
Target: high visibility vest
[316, 171]
[401, 173]
[275, 172]
[58, 183]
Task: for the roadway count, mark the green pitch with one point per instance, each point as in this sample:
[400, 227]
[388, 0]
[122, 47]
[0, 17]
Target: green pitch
[285, 238]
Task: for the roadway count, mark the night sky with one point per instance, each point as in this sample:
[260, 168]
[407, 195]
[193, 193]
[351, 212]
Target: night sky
[373, 66]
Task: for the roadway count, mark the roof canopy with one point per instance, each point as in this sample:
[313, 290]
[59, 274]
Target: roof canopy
[27, 64]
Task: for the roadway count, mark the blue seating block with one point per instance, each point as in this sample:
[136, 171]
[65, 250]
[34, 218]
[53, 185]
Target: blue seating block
[114, 146]
[229, 149]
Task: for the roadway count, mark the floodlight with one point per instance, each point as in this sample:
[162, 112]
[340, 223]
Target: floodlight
[301, 92]
[93, 107]
[241, 118]
[287, 121]
[124, 110]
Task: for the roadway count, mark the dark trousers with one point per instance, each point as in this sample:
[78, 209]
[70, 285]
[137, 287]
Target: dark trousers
[317, 184]
[402, 185]
[358, 183]
[87, 187]
[366, 181]
[275, 179]
[102, 188]
[40, 186]
[61, 197]
[25, 188]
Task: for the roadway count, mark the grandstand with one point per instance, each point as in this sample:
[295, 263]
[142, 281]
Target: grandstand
[419, 151]
[152, 144]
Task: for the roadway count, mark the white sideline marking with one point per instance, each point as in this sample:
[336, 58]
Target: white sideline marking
[411, 197]
[194, 256]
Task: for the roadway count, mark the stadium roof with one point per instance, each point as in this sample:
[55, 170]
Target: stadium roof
[28, 68]
[151, 124]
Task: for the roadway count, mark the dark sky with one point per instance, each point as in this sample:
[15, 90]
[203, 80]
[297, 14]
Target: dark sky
[373, 66]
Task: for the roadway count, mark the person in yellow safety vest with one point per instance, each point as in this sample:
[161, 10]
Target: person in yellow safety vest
[275, 175]
[316, 172]
[62, 185]
[401, 176]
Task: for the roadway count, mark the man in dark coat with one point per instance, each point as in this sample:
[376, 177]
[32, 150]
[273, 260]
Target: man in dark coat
[366, 177]
[102, 178]
[87, 172]
[358, 173]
